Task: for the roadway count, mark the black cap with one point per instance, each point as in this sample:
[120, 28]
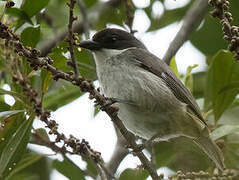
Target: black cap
[112, 38]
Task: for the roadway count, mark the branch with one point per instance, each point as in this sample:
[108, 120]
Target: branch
[228, 174]
[119, 154]
[102, 173]
[231, 33]
[191, 21]
[131, 140]
[94, 12]
[33, 57]
[38, 140]
[71, 38]
[75, 146]
[129, 12]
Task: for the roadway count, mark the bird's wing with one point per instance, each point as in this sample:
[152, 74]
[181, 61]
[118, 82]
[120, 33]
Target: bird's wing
[151, 63]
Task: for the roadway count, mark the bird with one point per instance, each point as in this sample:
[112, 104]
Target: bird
[153, 103]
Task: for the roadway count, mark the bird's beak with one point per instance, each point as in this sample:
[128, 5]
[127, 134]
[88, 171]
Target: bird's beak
[89, 44]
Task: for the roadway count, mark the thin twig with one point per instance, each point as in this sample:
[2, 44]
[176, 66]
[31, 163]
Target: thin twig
[228, 174]
[118, 155]
[191, 21]
[131, 140]
[102, 173]
[231, 33]
[96, 10]
[153, 155]
[71, 37]
[39, 140]
[33, 57]
[129, 15]
[76, 146]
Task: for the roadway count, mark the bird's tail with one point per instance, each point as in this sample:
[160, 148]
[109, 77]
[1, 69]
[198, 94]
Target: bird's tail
[212, 150]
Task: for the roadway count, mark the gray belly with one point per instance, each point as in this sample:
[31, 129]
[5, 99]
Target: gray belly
[155, 105]
[148, 124]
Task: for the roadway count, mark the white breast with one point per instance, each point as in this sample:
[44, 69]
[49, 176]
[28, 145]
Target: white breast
[121, 78]
[103, 54]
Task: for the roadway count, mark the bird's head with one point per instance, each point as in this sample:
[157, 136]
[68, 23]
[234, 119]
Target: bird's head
[112, 38]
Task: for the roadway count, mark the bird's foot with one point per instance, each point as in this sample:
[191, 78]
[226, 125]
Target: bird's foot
[140, 147]
[108, 102]
[134, 151]
[111, 101]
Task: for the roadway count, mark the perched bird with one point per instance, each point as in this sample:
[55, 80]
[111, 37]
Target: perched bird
[153, 103]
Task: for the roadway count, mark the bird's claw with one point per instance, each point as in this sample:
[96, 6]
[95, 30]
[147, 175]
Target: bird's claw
[108, 102]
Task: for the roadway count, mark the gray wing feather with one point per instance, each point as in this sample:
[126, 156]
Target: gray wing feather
[153, 64]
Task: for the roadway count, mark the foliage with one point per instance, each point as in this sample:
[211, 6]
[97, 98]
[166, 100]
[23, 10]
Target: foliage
[39, 22]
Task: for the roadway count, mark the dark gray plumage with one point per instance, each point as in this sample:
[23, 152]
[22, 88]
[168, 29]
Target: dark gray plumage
[151, 63]
[161, 106]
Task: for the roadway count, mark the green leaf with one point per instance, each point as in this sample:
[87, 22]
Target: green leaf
[4, 106]
[178, 150]
[59, 12]
[25, 176]
[5, 114]
[231, 155]
[85, 63]
[229, 117]
[10, 127]
[164, 153]
[23, 163]
[209, 37]
[12, 93]
[232, 86]
[90, 166]
[28, 10]
[174, 67]
[46, 78]
[16, 146]
[223, 71]
[20, 14]
[223, 131]
[33, 7]
[235, 103]
[17, 96]
[131, 174]
[69, 169]
[188, 79]
[30, 36]
[59, 97]
[96, 111]
[59, 60]
[40, 169]
[199, 82]
[90, 3]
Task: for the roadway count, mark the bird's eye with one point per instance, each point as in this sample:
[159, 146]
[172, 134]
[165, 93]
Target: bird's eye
[111, 39]
[114, 38]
